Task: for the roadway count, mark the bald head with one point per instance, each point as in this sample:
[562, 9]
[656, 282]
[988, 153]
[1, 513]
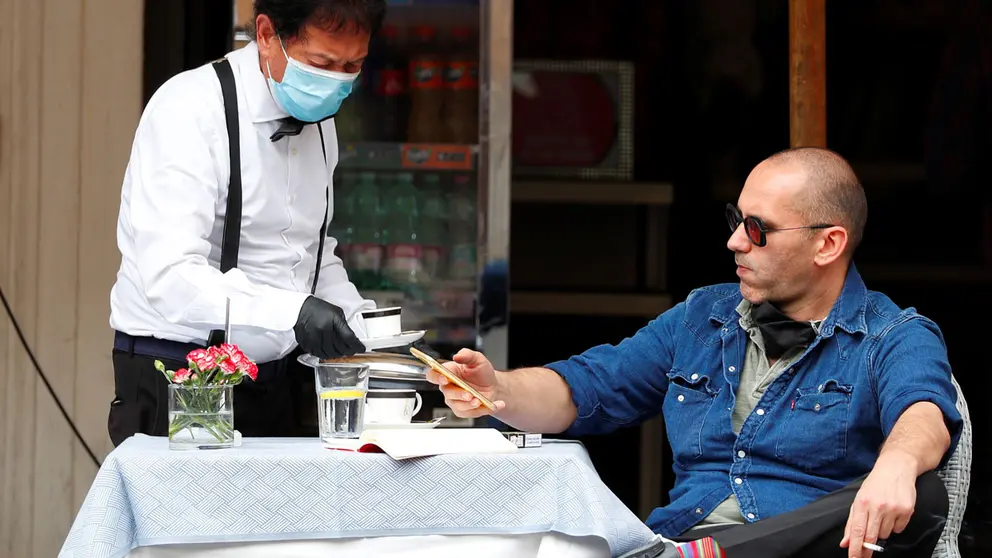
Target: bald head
[833, 195]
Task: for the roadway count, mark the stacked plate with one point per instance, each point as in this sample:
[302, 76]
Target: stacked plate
[386, 370]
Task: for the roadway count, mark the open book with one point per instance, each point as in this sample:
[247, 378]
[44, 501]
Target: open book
[403, 444]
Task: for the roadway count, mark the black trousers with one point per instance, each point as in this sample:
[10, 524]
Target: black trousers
[281, 403]
[815, 530]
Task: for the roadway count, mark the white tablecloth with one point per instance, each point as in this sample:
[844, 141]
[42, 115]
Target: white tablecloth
[271, 490]
[530, 545]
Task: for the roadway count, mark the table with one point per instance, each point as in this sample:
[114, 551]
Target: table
[288, 495]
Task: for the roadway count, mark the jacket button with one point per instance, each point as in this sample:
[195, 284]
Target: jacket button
[681, 398]
[699, 511]
[731, 368]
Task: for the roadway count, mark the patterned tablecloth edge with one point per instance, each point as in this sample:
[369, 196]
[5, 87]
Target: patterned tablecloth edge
[367, 533]
[274, 537]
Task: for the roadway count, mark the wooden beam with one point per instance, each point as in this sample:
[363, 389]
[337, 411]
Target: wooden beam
[589, 304]
[807, 73]
[588, 192]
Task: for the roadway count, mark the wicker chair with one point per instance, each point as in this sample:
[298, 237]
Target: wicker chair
[956, 474]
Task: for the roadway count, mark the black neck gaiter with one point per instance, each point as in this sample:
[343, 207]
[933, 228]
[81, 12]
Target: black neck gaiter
[780, 332]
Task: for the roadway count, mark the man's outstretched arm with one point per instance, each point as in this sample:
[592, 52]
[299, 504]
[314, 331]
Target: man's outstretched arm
[604, 388]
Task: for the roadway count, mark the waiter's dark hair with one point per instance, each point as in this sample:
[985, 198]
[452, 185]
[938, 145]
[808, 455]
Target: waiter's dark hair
[289, 17]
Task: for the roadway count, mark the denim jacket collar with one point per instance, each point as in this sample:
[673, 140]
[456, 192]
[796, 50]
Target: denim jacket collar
[848, 312]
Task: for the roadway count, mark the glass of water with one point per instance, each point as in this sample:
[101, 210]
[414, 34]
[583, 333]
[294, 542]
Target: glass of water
[341, 390]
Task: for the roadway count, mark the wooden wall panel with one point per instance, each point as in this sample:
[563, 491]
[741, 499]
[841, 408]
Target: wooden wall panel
[7, 450]
[112, 46]
[70, 99]
[57, 280]
[25, 164]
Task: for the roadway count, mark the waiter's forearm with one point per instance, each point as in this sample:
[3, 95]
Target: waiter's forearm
[537, 400]
[195, 296]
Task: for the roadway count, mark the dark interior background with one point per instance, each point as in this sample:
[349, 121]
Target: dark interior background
[926, 241]
[908, 104]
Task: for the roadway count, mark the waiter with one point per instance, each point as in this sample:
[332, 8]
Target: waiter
[204, 219]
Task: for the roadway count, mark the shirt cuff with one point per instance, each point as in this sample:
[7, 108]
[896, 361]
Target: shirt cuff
[583, 395]
[279, 310]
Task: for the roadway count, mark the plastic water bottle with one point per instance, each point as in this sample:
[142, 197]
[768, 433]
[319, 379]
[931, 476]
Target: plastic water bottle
[365, 254]
[341, 227]
[433, 225]
[462, 261]
[404, 251]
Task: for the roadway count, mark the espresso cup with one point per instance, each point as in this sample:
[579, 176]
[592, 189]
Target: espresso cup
[391, 406]
[383, 322]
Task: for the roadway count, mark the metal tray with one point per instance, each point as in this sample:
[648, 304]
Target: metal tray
[387, 370]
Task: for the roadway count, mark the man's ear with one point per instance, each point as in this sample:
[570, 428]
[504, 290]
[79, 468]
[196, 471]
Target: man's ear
[831, 246]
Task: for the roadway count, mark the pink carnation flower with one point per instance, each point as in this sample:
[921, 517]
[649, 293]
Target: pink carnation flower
[249, 369]
[240, 361]
[228, 367]
[203, 359]
[181, 376]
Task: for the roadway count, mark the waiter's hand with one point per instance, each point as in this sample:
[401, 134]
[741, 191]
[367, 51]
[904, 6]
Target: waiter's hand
[323, 331]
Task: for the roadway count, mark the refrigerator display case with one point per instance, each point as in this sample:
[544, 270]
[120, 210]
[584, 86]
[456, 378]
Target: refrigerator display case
[422, 188]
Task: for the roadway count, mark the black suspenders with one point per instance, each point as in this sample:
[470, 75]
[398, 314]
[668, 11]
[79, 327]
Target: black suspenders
[232, 219]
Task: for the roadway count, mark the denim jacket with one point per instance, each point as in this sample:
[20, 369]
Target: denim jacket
[818, 427]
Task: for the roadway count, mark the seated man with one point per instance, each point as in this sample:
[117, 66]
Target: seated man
[806, 414]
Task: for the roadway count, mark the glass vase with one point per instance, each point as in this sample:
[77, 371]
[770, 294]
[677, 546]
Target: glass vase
[201, 417]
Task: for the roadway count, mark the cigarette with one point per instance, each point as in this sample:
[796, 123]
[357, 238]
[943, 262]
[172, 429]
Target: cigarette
[872, 547]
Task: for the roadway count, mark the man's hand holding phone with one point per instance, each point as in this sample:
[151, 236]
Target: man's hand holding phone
[476, 370]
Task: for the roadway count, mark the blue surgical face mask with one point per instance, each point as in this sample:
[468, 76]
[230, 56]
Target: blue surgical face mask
[307, 93]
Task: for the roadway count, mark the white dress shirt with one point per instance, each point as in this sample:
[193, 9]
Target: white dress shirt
[172, 210]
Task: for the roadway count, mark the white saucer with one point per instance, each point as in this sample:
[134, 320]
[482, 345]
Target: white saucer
[402, 425]
[404, 338]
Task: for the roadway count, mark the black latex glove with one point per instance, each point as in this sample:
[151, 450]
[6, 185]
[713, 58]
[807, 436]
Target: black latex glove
[323, 331]
[419, 344]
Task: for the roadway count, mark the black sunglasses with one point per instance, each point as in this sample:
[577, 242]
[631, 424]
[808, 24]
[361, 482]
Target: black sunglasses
[755, 229]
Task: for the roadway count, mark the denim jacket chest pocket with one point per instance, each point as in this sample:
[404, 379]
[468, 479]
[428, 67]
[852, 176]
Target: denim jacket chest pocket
[689, 399]
[814, 434]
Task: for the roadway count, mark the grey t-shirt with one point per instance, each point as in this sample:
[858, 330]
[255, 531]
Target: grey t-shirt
[756, 375]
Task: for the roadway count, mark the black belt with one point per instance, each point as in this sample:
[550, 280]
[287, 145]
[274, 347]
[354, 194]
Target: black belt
[153, 347]
[177, 350]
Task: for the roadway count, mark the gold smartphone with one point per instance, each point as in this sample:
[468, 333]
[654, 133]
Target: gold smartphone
[426, 359]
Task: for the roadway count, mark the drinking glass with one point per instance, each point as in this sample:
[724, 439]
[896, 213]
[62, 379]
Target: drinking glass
[341, 390]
